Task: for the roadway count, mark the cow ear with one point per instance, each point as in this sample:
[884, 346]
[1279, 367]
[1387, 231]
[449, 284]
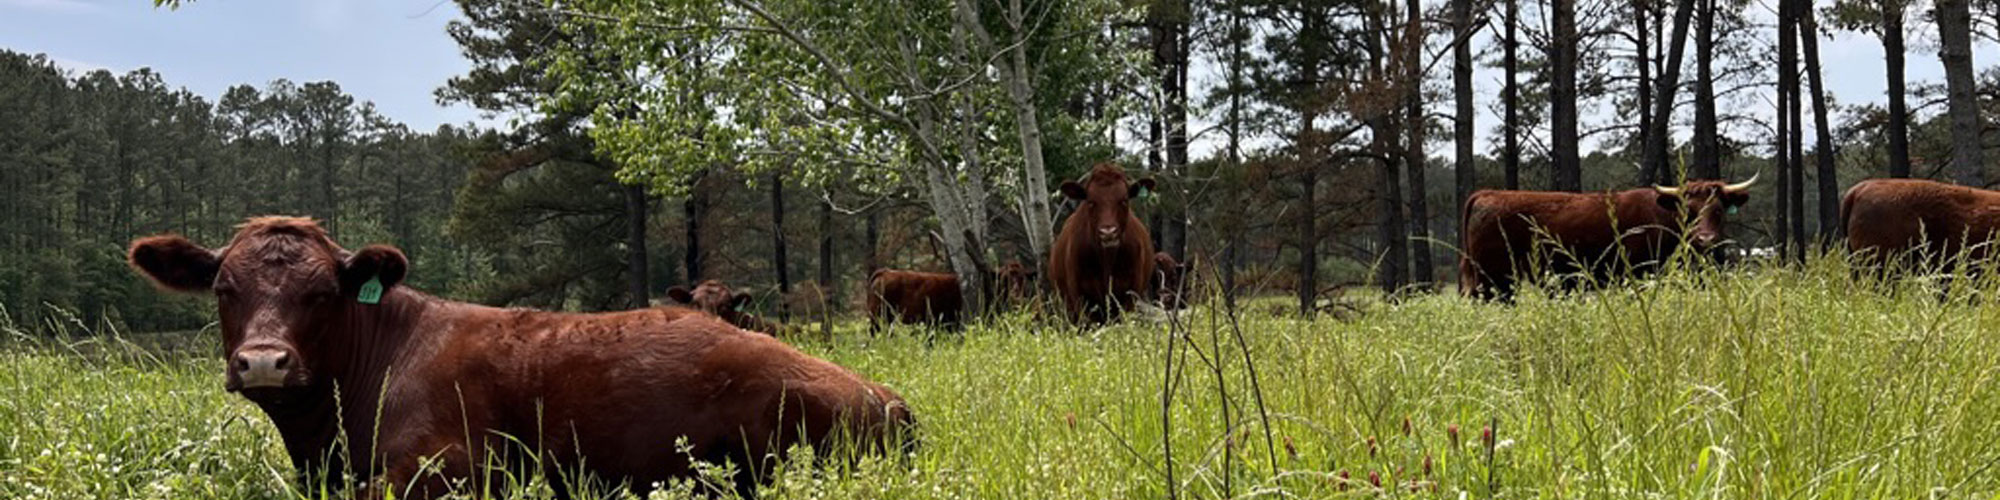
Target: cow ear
[1669, 202]
[1139, 189]
[1074, 191]
[174, 263]
[1735, 199]
[383, 263]
[738, 302]
[680, 294]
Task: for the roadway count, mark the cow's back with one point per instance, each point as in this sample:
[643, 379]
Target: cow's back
[915, 297]
[1884, 218]
[1506, 231]
[621, 389]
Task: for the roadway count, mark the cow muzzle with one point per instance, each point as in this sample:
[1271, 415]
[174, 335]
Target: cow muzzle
[1707, 240]
[262, 367]
[1109, 237]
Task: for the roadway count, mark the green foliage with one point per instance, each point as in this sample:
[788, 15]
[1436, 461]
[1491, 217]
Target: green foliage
[1752, 382]
[725, 86]
[89, 162]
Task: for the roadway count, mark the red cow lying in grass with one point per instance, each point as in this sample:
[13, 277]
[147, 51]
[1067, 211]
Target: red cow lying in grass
[360, 374]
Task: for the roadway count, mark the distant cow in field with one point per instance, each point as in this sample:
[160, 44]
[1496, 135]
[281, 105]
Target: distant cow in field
[1102, 260]
[715, 297]
[916, 297]
[362, 374]
[1919, 222]
[1508, 233]
[1170, 280]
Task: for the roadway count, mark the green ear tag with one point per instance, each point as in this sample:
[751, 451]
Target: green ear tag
[1143, 191]
[371, 292]
[1732, 210]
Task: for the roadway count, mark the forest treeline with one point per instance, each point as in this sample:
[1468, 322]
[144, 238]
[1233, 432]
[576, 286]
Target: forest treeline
[791, 146]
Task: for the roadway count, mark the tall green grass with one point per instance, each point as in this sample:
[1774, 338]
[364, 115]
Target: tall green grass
[1749, 382]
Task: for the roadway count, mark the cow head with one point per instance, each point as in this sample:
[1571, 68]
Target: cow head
[1704, 205]
[1015, 280]
[712, 296]
[1104, 200]
[276, 284]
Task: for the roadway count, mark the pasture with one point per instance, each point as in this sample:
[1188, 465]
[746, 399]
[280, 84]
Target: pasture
[1752, 382]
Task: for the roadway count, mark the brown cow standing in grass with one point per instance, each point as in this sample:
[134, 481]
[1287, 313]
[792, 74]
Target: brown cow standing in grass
[1918, 222]
[1102, 259]
[328, 344]
[1509, 233]
[916, 297]
[715, 297]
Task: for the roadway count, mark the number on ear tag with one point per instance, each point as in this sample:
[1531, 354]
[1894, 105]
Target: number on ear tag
[371, 292]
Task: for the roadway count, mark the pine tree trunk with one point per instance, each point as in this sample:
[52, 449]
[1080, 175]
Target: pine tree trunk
[695, 208]
[1413, 143]
[1463, 158]
[1829, 184]
[1899, 109]
[1795, 191]
[1644, 92]
[1707, 156]
[1786, 114]
[1390, 273]
[779, 262]
[635, 247]
[1308, 157]
[829, 290]
[1562, 97]
[1655, 161]
[1510, 97]
[872, 261]
[1234, 128]
[1177, 131]
[1968, 158]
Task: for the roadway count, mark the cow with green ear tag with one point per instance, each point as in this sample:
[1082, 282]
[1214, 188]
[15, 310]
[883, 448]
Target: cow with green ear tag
[1101, 263]
[1513, 235]
[364, 376]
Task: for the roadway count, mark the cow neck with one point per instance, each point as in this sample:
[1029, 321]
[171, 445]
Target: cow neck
[1099, 256]
[371, 339]
[368, 341]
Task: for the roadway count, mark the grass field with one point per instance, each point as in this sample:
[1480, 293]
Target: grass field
[1748, 383]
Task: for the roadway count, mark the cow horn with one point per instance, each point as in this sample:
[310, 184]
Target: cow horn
[1741, 186]
[1669, 191]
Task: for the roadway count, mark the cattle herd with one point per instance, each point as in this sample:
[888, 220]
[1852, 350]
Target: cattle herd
[331, 347]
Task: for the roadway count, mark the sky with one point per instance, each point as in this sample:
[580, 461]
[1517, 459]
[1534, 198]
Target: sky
[394, 53]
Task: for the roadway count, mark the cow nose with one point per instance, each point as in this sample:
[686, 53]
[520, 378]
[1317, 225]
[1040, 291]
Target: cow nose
[1706, 239]
[1107, 231]
[262, 367]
